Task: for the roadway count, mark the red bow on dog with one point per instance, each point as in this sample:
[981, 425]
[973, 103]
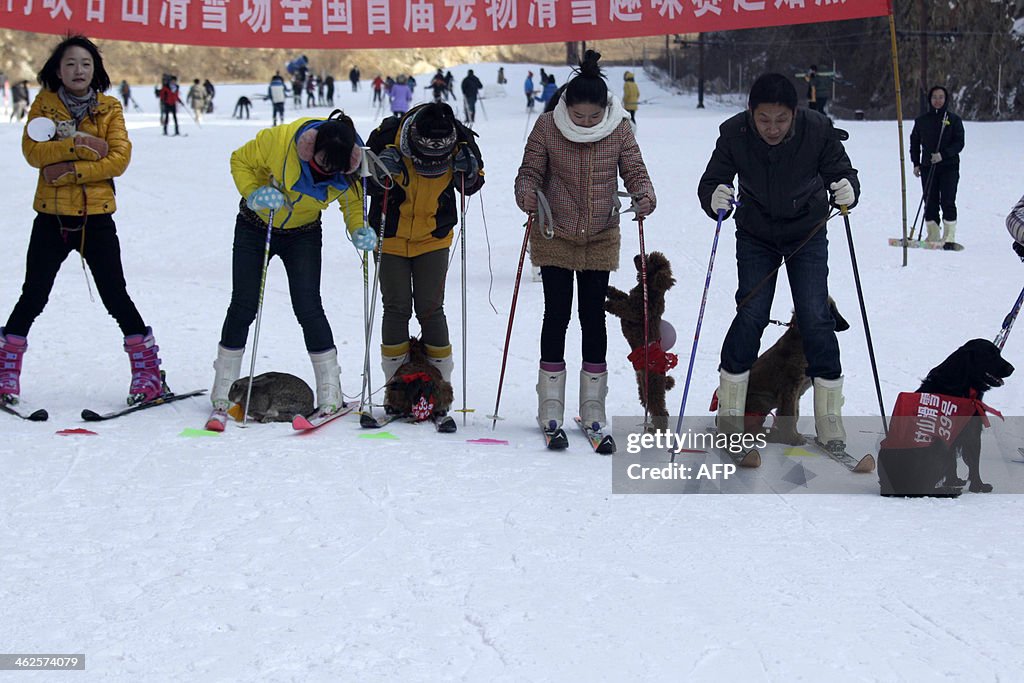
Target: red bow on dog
[658, 360]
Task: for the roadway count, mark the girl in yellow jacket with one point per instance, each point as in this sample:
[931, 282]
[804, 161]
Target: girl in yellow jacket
[78, 161]
[630, 95]
[289, 174]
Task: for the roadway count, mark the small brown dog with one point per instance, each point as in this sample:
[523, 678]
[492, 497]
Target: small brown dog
[629, 308]
[418, 389]
[778, 379]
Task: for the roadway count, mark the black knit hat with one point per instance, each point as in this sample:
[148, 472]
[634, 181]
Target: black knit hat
[433, 131]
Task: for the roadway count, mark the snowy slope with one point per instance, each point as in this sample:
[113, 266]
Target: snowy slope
[262, 555]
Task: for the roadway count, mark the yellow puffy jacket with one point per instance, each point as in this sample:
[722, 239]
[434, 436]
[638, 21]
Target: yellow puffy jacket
[273, 152]
[91, 189]
[630, 93]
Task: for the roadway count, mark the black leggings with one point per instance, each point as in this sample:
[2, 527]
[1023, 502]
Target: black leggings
[53, 238]
[593, 288]
[942, 193]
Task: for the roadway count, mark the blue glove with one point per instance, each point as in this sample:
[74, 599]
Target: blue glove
[265, 197]
[392, 160]
[364, 238]
[466, 164]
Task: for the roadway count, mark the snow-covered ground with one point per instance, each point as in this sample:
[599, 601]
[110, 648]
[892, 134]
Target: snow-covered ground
[261, 555]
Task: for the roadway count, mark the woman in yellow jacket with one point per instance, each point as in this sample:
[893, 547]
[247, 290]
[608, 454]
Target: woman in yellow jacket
[74, 202]
[291, 172]
[630, 95]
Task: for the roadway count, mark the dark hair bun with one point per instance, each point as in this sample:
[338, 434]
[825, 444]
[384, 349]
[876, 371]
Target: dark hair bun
[589, 67]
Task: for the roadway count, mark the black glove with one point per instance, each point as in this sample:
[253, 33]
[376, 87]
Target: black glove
[466, 165]
[1018, 248]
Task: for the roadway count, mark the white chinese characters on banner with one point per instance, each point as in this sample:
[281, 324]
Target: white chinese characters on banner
[749, 5]
[542, 14]
[669, 9]
[503, 14]
[790, 4]
[135, 12]
[702, 7]
[625, 10]
[419, 16]
[296, 16]
[584, 12]
[337, 16]
[57, 7]
[174, 14]
[215, 15]
[461, 17]
[95, 10]
[256, 13]
[378, 16]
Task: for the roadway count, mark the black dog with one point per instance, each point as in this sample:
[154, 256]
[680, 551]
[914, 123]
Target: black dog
[967, 373]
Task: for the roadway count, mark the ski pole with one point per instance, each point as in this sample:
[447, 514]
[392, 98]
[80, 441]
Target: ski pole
[462, 249]
[1008, 321]
[864, 316]
[366, 392]
[928, 181]
[259, 312]
[511, 317]
[700, 320]
[647, 322]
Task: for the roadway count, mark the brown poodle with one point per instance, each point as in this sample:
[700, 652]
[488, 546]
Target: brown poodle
[778, 379]
[417, 389]
[629, 309]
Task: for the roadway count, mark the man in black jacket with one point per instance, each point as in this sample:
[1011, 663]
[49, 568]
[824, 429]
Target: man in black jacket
[471, 87]
[935, 145]
[787, 161]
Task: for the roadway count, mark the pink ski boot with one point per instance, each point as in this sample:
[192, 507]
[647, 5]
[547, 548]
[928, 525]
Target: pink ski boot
[12, 348]
[147, 384]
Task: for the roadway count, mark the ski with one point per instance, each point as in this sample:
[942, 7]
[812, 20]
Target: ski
[925, 244]
[601, 443]
[750, 458]
[864, 465]
[445, 424]
[301, 423]
[169, 397]
[15, 407]
[555, 437]
[368, 421]
[745, 457]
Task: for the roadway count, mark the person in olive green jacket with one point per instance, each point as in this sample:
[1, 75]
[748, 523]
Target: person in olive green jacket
[83, 146]
[288, 174]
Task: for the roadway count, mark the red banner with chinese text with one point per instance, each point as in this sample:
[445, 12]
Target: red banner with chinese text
[388, 24]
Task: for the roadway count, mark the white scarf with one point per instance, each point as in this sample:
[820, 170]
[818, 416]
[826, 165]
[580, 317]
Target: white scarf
[613, 115]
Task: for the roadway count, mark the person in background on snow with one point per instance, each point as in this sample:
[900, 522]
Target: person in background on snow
[630, 95]
[788, 160]
[401, 96]
[197, 100]
[587, 129]
[937, 163]
[528, 90]
[125, 91]
[353, 76]
[549, 91]
[430, 155]
[169, 100]
[90, 150]
[19, 100]
[277, 91]
[471, 87]
[292, 172]
[211, 92]
[377, 85]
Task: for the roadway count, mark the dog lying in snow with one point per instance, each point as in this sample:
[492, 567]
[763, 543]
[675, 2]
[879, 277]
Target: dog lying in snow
[276, 397]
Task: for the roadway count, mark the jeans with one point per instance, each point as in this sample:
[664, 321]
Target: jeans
[53, 238]
[593, 288]
[299, 250]
[808, 279]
